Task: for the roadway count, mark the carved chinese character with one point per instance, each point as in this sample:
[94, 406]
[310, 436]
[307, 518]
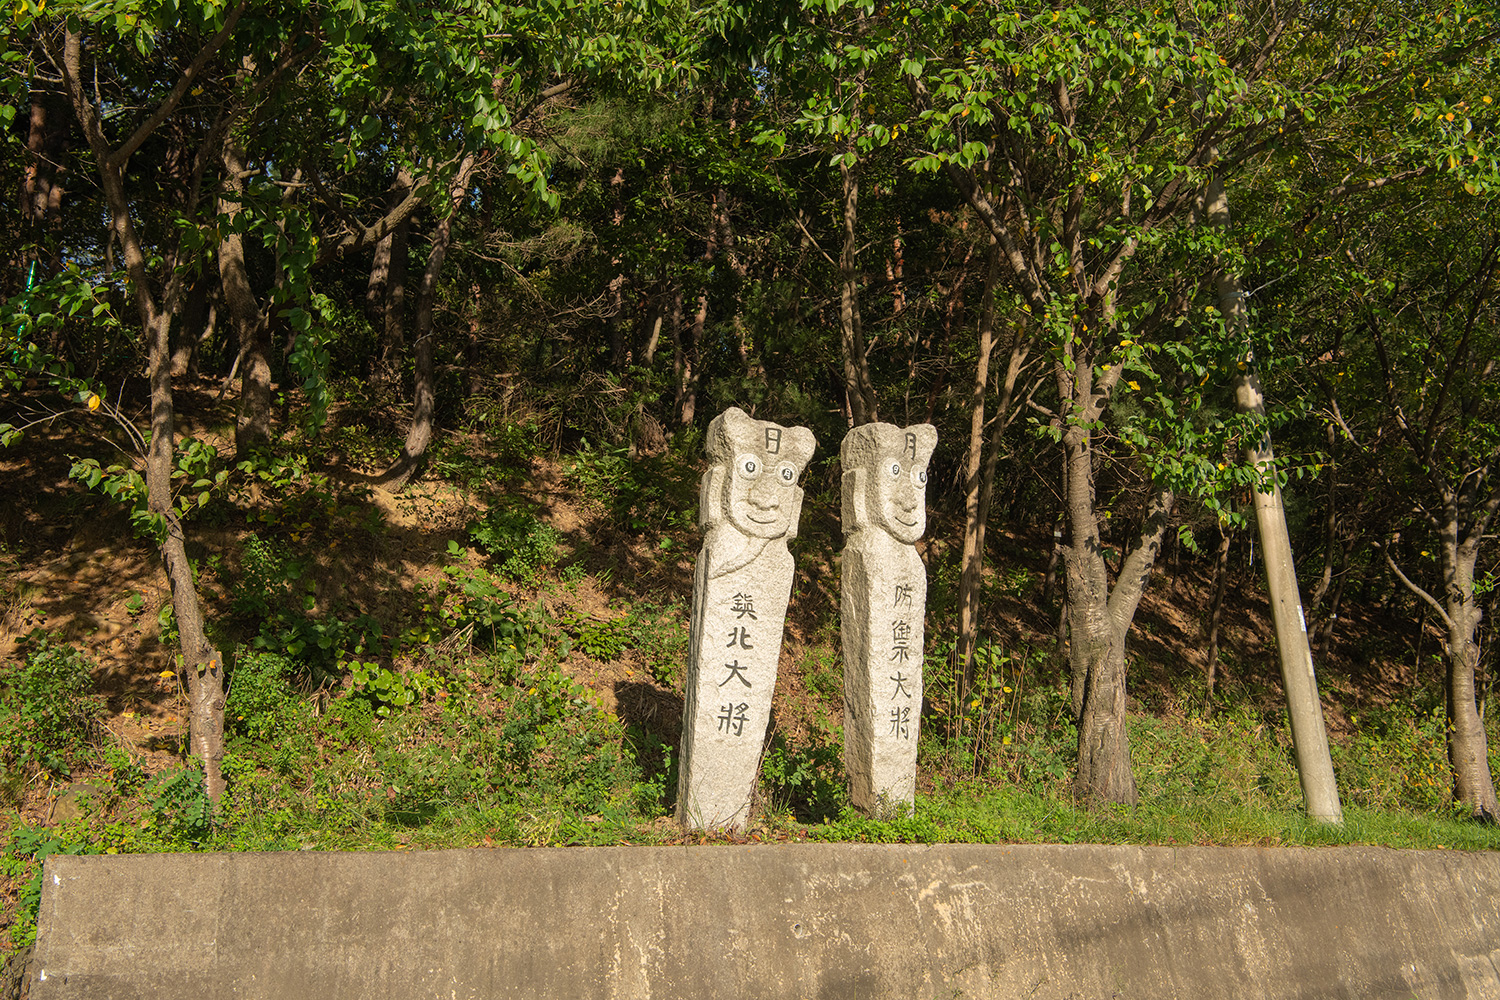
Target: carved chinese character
[739, 636]
[901, 723]
[736, 673]
[900, 640]
[732, 718]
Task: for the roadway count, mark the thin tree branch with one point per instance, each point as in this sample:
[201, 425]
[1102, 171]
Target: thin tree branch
[812, 239]
[1385, 550]
[163, 110]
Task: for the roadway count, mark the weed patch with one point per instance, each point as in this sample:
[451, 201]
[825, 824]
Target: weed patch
[48, 712]
[518, 543]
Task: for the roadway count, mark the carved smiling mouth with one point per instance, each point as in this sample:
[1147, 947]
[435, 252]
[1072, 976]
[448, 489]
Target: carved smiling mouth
[909, 524]
[769, 520]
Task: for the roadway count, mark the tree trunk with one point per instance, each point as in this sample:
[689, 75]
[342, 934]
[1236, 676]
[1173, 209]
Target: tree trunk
[1468, 747]
[473, 348]
[863, 403]
[193, 329]
[680, 364]
[977, 510]
[1099, 620]
[687, 391]
[252, 426]
[200, 661]
[394, 332]
[380, 273]
[1054, 559]
[615, 322]
[690, 353]
[750, 366]
[385, 292]
[1215, 617]
[1331, 544]
[655, 338]
[46, 148]
[1323, 633]
[1104, 772]
[203, 665]
[971, 579]
[1058, 548]
[424, 396]
[375, 285]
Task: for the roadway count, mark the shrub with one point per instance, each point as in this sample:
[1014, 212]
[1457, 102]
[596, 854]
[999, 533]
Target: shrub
[260, 688]
[807, 780]
[275, 591]
[180, 807]
[518, 542]
[48, 712]
[659, 634]
[1397, 758]
[555, 744]
[601, 475]
[602, 640]
[21, 864]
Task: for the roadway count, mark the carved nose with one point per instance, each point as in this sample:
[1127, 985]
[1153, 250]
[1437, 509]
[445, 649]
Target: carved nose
[765, 499]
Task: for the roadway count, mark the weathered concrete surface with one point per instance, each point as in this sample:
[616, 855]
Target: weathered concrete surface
[795, 921]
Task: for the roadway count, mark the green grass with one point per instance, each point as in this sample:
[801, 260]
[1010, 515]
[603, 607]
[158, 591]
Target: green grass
[969, 814]
[512, 752]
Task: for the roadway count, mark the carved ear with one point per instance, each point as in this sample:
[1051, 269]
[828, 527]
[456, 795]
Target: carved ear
[924, 437]
[731, 432]
[796, 515]
[710, 503]
[798, 446]
[855, 512]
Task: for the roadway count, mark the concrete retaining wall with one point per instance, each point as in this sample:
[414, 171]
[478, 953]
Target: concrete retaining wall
[794, 921]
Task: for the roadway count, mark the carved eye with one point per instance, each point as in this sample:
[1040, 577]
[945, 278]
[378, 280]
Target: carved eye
[788, 474]
[919, 476]
[895, 469]
[748, 466]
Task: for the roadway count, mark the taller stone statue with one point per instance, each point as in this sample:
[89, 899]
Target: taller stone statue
[883, 598]
[748, 505]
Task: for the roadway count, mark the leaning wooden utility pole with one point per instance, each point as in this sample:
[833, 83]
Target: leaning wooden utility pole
[1309, 736]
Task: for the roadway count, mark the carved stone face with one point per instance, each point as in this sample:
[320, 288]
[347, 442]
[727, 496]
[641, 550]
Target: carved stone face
[758, 466]
[898, 498]
[761, 494]
[889, 481]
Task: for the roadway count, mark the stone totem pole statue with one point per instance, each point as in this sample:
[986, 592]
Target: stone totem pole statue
[882, 603]
[748, 503]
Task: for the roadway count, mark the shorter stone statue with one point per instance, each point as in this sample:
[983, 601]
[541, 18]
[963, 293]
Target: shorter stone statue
[883, 597]
[749, 504]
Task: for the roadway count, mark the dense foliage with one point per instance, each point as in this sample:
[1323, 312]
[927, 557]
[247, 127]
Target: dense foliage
[434, 243]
